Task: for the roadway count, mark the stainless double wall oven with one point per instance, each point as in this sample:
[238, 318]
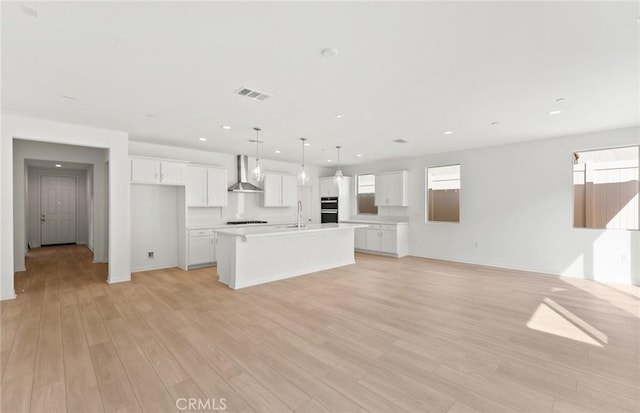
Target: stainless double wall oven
[329, 210]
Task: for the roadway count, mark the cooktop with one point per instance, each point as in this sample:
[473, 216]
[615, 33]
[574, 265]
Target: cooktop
[245, 222]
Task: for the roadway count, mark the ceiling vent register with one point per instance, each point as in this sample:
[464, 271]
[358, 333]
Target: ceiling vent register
[400, 140]
[252, 94]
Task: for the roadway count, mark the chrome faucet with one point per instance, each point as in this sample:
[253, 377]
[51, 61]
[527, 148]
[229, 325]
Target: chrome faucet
[299, 213]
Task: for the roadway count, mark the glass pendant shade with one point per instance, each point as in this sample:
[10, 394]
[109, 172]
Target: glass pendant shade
[337, 178]
[303, 177]
[257, 173]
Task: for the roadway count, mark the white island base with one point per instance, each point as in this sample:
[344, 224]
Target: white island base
[257, 255]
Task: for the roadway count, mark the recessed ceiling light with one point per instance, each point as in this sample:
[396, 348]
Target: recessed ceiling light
[277, 151]
[307, 144]
[68, 97]
[359, 155]
[58, 165]
[494, 123]
[202, 139]
[226, 127]
[554, 112]
[339, 115]
[449, 132]
[329, 52]
[28, 10]
[561, 99]
[329, 160]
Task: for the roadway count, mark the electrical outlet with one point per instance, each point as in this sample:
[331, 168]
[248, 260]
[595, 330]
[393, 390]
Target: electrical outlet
[150, 254]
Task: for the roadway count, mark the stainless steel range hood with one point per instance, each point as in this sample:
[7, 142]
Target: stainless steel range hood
[243, 184]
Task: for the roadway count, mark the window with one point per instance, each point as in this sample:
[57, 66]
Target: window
[443, 193]
[366, 194]
[605, 188]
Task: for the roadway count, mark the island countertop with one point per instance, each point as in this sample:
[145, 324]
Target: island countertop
[270, 231]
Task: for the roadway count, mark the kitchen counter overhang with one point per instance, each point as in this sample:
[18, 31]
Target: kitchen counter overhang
[256, 255]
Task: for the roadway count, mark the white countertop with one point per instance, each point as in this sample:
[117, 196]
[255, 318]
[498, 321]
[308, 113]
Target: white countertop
[363, 221]
[267, 231]
[225, 225]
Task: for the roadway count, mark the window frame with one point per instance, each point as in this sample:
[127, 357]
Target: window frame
[572, 188]
[357, 187]
[426, 194]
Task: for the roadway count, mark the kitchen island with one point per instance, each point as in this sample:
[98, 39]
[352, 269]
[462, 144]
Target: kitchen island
[256, 255]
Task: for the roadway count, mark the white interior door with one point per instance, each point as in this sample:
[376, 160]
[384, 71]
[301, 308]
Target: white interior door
[304, 195]
[57, 210]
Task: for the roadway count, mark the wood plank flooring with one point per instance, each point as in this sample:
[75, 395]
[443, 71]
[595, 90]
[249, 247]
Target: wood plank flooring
[385, 334]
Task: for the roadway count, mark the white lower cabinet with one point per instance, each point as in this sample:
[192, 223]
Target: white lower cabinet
[202, 247]
[360, 241]
[391, 239]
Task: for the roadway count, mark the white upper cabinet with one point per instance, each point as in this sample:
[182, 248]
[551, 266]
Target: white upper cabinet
[289, 190]
[392, 189]
[196, 189]
[217, 187]
[280, 190]
[328, 188]
[206, 187]
[145, 171]
[172, 173]
[155, 171]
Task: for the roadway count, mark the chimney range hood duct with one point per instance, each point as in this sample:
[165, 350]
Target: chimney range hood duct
[243, 184]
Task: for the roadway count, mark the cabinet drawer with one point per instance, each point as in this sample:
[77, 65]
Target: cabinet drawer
[201, 232]
[388, 227]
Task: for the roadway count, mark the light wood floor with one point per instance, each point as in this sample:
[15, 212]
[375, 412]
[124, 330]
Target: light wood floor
[382, 335]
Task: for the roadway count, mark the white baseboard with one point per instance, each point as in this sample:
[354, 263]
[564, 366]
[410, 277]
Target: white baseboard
[153, 267]
[20, 268]
[122, 280]
[8, 297]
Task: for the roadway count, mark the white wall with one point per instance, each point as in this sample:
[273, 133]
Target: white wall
[33, 202]
[517, 207]
[240, 206]
[13, 239]
[154, 226]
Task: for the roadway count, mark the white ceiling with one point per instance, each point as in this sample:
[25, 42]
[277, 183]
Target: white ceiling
[403, 70]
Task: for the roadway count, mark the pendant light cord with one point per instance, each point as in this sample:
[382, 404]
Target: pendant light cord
[257, 143]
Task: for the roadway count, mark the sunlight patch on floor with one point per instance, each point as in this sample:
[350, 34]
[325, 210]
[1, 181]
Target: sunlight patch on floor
[551, 318]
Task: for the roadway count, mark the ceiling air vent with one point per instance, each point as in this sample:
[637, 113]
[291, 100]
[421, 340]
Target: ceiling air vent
[253, 94]
[400, 140]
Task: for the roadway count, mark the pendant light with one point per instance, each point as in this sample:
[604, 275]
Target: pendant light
[303, 177]
[338, 176]
[257, 172]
